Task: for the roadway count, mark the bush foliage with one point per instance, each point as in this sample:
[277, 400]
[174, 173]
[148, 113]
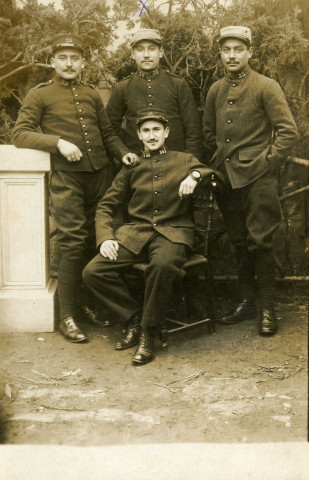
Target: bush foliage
[189, 29]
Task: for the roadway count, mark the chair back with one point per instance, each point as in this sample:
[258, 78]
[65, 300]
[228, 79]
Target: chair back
[203, 207]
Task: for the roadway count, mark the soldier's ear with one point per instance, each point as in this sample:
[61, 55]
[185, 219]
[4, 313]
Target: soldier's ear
[166, 131]
[52, 62]
[161, 52]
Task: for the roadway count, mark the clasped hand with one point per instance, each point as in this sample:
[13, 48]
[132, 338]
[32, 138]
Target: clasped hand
[73, 154]
[109, 249]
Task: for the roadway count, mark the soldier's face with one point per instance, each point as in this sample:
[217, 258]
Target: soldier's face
[235, 55]
[152, 134]
[68, 63]
[147, 55]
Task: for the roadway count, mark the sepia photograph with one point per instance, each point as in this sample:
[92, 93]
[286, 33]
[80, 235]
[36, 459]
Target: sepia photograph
[154, 239]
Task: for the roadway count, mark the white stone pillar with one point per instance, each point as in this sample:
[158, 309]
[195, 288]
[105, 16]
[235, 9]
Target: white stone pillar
[26, 291]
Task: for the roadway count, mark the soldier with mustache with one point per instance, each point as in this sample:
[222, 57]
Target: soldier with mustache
[76, 130]
[248, 125]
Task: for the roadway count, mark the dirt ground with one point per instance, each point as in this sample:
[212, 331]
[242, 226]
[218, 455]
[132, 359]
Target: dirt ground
[234, 386]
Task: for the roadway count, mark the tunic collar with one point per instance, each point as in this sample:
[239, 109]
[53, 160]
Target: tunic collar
[62, 81]
[161, 151]
[236, 76]
[152, 74]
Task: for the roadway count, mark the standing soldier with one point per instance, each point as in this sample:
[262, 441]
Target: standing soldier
[153, 87]
[76, 130]
[249, 125]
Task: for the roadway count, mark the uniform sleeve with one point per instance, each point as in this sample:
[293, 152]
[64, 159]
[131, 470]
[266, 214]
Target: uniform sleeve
[206, 172]
[25, 132]
[281, 119]
[190, 120]
[110, 204]
[115, 110]
[112, 142]
[209, 121]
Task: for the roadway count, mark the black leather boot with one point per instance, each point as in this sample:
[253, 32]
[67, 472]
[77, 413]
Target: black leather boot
[131, 334]
[246, 310]
[95, 316]
[145, 349]
[163, 335]
[268, 322]
[71, 331]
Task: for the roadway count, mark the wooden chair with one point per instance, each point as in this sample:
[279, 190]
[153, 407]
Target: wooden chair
[202, 210]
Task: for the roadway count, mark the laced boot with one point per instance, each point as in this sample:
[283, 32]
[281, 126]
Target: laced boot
[145, 349]
[71, 331]
[244, 311]
[95, 316]
[131, 333]
[163, 335]
[268, 321]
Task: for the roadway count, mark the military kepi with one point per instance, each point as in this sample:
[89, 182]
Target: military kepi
[234, 31]
[67, 40]
[149, 34]
[151, 114]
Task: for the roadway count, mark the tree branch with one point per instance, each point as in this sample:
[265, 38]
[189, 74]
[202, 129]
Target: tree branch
[19, 54]
[24, 67]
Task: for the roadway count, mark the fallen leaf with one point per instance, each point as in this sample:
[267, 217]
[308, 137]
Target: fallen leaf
[8, 391]
[71, 372]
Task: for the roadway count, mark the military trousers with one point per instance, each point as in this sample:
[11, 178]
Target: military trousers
[74, 197]
[251, 215]
[105, 278]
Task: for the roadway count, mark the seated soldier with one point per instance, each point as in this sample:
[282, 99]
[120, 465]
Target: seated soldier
[160, 231]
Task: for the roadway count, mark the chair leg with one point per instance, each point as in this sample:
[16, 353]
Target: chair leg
[211, 325]
[163, 335]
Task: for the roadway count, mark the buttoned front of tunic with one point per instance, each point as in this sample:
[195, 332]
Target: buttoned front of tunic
[154, 205]
[157, 89]
[71, 111]
[239, 120]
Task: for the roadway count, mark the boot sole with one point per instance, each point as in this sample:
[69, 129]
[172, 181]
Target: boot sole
[126, 346]
[141, 362]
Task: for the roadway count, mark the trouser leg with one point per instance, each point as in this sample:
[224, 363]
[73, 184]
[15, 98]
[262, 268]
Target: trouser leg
[164, 268]
[245, 273]
[104, 279]
[265, 269]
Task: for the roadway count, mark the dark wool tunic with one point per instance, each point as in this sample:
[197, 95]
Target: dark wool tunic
[239, 119]
[158, 89]
[154, 205]
[71, 111]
